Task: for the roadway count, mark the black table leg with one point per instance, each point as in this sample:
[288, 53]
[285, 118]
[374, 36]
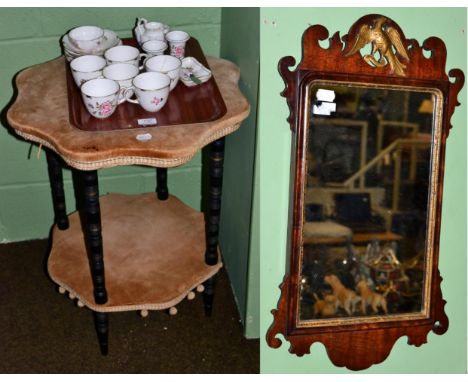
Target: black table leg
[208, 295]
[54, 167]
[92, 231]
[101, 322]
[212, 222]
[93, 237]
[161, 183]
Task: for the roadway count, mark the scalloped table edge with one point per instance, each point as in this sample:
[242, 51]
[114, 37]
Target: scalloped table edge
[230, 122]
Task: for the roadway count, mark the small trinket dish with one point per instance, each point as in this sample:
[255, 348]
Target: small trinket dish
[193, 73]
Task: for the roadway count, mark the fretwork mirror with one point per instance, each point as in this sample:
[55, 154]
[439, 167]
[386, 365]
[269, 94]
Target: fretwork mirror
[370, 115]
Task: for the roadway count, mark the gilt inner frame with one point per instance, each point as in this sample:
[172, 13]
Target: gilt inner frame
[305, 99]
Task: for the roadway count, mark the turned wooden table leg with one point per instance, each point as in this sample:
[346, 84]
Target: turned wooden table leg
[212, 222]
[161, 183]
[92, 232]
[101, 322]
[54, 167]
[208, 295]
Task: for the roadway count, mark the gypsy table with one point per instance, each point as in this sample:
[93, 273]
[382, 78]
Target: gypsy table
[156, 249]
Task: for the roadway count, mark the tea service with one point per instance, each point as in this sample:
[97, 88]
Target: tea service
[108, 73]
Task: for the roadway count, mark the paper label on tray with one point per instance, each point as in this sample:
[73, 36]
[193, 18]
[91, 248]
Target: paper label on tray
[147, 121]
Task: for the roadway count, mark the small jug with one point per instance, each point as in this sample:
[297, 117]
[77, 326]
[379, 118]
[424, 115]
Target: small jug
[150, 30]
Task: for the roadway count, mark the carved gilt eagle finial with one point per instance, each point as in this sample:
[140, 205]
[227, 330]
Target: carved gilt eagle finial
[382, 39]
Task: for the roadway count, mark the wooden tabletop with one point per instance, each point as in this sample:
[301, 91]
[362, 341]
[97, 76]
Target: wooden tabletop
[40, 114]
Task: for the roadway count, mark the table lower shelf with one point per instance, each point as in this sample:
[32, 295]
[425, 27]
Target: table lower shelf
[153, 254]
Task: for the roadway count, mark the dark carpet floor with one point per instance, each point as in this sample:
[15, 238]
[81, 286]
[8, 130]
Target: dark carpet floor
[42, 331]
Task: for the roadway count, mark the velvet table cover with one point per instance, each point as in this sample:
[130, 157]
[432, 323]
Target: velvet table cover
[40, 114]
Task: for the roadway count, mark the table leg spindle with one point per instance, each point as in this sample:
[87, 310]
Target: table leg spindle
[208, 295]
[56, 184]
[212, 225]
[93, 237]
[161, 183]
[101, 322]
[214, 201]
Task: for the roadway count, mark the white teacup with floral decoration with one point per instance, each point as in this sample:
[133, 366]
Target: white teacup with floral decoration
[151, 90]
[124, 54]
[167, 65]
[123, 74]
[177, 41]
[86, 38]
[101, 97]
[86, 68]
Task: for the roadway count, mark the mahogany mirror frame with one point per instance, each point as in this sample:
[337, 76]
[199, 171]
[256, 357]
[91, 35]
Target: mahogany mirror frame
[358, 345]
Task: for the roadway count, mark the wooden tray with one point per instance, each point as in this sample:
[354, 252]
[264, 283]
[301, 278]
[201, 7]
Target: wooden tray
[201, 103]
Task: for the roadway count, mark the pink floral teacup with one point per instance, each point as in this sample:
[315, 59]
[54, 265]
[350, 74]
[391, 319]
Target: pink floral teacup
[101, 97]
[177, 41]
[151, 90]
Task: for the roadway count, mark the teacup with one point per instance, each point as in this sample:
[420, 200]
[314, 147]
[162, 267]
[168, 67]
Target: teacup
[101, 97]
[151, 90]
[177, 41]
[87, 68]
[86, 37]
[154, 47]
[124, 54]
[165, 64]
[123, 74]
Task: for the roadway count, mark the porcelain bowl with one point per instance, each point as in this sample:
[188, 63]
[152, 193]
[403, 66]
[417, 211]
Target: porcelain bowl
[86, 37]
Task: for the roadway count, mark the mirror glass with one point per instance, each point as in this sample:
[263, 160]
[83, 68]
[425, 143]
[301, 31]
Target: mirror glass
[366, 200]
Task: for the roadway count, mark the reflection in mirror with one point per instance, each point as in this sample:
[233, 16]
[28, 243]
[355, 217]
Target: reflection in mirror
[365, 201]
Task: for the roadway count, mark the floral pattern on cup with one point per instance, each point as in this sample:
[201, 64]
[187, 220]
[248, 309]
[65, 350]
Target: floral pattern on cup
[151, 90]
[177, 51]
[157, 100]
[177, 41]
[102, 109]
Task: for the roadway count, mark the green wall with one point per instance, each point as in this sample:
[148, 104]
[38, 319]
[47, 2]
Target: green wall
[241, 46]
[280, 34]
[31, 35]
